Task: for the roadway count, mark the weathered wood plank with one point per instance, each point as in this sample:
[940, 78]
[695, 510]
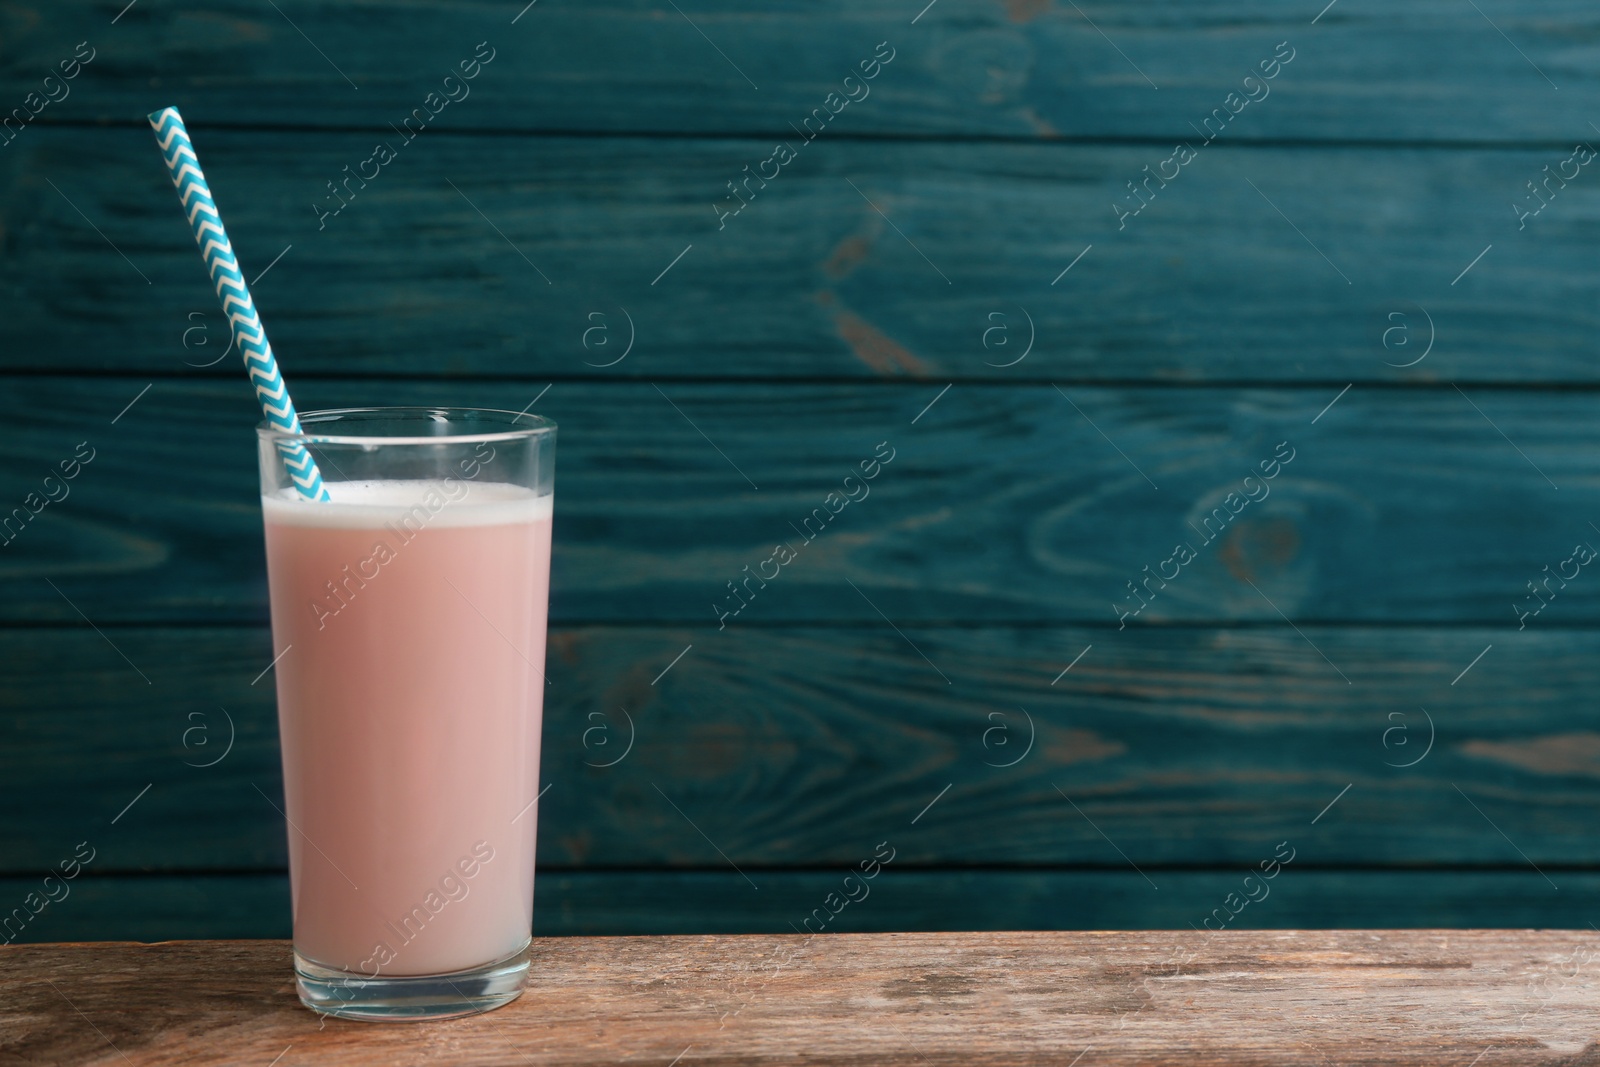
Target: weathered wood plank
[1207, 283]
[1001, 503]
[1020, 68]
[799, 747]
[628, 903]
[1437, 997]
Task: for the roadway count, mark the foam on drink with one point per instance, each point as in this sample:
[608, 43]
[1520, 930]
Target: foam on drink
[448, 503]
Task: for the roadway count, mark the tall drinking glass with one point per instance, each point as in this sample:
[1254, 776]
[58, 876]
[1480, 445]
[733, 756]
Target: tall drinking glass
[408, 622]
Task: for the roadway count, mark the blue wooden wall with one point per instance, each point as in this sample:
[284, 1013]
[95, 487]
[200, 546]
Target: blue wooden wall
[1309, 293]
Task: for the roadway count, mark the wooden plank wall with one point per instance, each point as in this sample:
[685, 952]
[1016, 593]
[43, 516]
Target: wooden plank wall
[1351, 282]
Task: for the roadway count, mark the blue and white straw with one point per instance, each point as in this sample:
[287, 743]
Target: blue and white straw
[248, 334]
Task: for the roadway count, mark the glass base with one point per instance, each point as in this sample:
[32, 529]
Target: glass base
[407, 997]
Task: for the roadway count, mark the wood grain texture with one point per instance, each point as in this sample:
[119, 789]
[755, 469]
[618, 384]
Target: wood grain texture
[527, 239]
[1002, 504]
[1018, 68]
[790, 748]
[1210, 282]
[1363, 997]
[637, 902]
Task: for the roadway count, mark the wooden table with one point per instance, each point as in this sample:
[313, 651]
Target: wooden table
[1448, 997]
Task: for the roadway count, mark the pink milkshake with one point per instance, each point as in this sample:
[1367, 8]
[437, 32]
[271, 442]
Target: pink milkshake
[409, 618]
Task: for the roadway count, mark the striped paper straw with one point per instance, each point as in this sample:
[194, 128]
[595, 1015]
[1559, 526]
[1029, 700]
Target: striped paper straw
[248, 333]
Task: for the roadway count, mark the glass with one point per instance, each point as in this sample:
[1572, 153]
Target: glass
[408, 626]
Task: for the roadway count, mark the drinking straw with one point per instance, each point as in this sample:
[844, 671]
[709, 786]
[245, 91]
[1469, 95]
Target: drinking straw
[248, 333]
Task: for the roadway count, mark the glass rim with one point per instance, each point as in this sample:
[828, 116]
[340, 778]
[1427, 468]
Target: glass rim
[539, 426]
